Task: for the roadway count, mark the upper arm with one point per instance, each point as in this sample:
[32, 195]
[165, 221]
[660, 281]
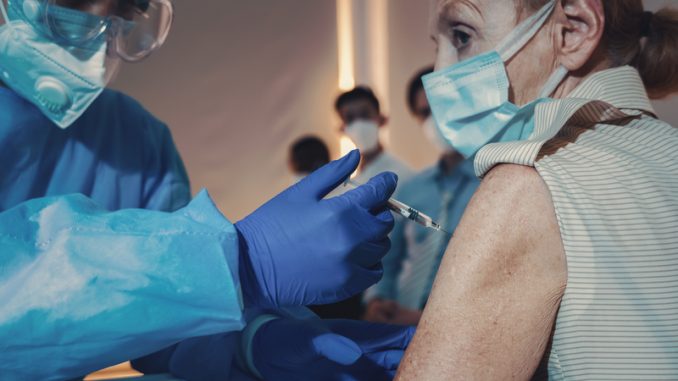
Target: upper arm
[495, 297]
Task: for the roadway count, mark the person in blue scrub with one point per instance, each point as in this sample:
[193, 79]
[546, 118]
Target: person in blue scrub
[441, 191]
[105, 257]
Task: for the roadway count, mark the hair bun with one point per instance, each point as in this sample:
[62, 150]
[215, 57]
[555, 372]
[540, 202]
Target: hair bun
[646, 23]
[658, 58]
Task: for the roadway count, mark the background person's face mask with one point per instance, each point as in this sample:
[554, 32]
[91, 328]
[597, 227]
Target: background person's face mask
[470, 100]
[364, 134]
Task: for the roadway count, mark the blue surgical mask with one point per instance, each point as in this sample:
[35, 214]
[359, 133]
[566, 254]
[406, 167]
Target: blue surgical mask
[470, 100]
[61, 80]
[432, 134]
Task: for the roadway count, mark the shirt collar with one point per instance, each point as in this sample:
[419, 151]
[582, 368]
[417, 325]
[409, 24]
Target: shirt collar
[621, 87]
[605, 96]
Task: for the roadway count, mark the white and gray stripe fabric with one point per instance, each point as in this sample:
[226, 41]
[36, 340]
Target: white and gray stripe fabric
[612, 170]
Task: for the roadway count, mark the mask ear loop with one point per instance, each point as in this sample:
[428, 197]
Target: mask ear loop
[554, 81]
[524, 32]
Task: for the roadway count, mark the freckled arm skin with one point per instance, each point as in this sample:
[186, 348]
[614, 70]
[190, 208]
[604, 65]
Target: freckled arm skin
[496, 296]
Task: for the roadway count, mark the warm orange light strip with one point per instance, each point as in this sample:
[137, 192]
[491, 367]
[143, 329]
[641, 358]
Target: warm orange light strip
[379, 60]
[346, 56]
[345, 44]
[121, 371]
[379, 43]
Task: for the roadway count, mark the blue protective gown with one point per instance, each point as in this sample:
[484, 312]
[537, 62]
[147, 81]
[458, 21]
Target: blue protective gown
[94, 269]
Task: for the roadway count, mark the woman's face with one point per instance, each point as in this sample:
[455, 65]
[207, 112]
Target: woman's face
[467, 28]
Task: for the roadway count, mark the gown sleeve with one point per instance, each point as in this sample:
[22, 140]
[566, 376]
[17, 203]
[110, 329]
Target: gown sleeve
[83, 288]
[166, 186]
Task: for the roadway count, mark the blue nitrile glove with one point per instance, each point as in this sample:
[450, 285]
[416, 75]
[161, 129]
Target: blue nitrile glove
[346, 350]
[299, 249]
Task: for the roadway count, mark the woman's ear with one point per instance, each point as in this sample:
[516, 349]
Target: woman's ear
[579, 32]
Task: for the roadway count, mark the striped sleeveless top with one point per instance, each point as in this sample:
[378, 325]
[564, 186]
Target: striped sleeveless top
[612, 170]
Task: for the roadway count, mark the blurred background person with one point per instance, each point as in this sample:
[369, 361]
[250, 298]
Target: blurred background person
[307, 154]
[417, 103]
[442, 192]
[361, 117]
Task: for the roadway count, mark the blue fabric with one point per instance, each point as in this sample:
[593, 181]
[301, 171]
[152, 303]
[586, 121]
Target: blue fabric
[470, 101]
[83, 288]
[424, 192]
[86, 281]
[116, 153]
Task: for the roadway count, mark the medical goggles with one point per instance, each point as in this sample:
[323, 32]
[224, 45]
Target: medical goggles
[132, 29]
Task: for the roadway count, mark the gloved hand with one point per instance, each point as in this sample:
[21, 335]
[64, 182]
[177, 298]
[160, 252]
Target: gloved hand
[346, 350]
[299, 249]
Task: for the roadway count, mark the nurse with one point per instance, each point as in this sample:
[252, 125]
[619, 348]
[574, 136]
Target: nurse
[105, 257]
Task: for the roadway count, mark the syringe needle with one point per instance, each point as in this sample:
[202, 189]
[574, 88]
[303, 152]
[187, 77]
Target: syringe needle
[406, 211]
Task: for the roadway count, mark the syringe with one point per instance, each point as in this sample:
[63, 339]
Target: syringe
[405, 210]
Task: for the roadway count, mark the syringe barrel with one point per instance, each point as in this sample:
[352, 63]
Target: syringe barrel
[402, 209]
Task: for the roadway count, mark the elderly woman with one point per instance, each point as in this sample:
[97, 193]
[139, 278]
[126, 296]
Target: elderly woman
[569, 250]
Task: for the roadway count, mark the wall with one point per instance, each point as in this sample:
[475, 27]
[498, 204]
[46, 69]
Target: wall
[236, 83]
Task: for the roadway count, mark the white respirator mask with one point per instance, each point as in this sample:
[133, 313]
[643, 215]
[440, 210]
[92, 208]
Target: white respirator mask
[364, 134]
